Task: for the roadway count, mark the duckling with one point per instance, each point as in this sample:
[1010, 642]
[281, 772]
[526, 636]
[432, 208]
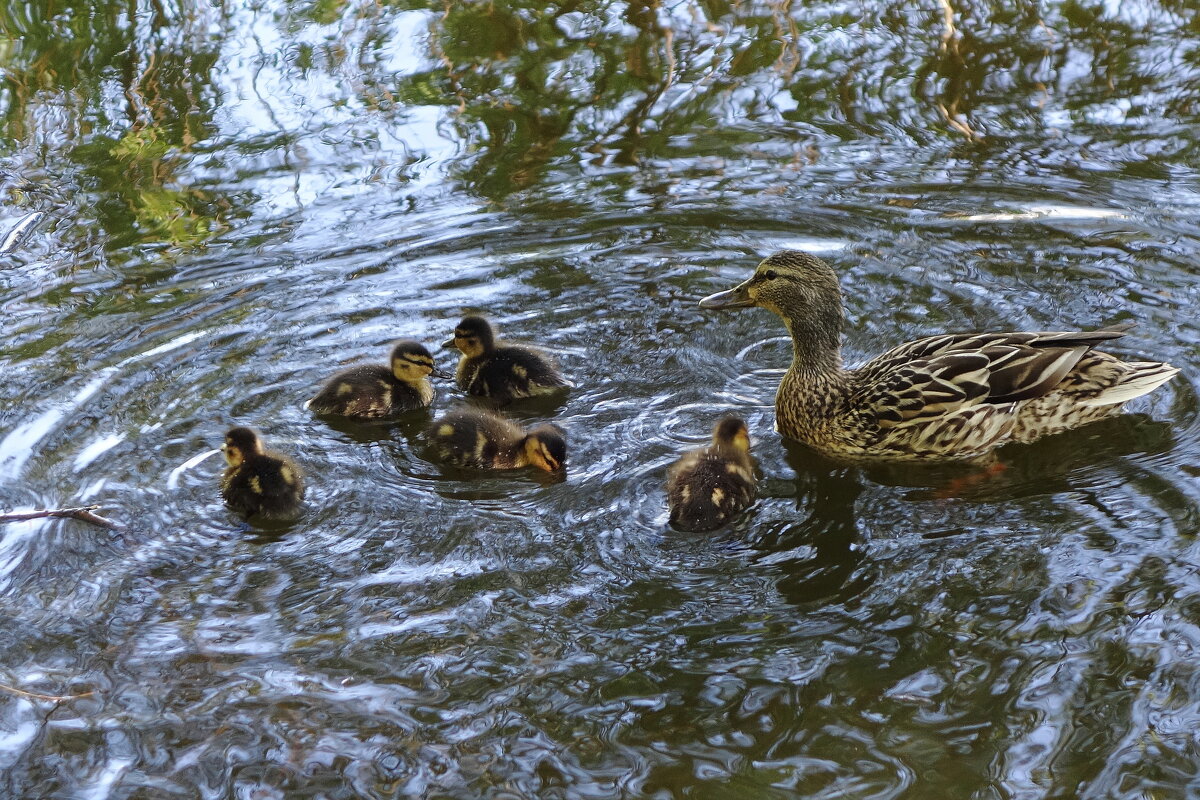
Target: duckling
[947, 397]
[472, 437]
[258, 482]
[707, 486]
[502, 372]
[372, 391]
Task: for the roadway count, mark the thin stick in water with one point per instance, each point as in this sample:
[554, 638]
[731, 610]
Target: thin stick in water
[84, 513]
[56, 698]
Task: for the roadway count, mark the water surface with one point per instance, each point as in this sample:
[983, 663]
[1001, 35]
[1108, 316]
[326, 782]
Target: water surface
[237, 199]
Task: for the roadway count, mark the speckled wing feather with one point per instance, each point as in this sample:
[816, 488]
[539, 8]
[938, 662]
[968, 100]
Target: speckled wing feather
[941, 375]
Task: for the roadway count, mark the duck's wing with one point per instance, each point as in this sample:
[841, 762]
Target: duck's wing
[940, 375]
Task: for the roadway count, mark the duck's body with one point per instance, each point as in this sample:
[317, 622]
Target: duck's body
[257, 482]
[375, 391]
[708, 486]
[477, 439]
[955, 396]
[501, 372]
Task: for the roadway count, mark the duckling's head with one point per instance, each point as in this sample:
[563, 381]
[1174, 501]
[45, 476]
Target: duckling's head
[473, 336]
[240, 443]
[411, 362]
[800, 288]
[545, 448]
[732, 435]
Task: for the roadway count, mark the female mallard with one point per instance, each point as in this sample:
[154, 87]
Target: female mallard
[707, 486]
[502, 372]
[955, 396]
[257, 482]
[372, 391]
[472, 437]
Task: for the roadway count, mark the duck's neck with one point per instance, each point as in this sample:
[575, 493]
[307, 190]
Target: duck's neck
[814, 388]
[816, 355]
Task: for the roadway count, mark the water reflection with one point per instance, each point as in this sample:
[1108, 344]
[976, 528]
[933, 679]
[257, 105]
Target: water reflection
[819, 555]
[111, 102]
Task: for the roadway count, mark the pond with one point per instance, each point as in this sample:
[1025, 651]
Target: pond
[223, 203]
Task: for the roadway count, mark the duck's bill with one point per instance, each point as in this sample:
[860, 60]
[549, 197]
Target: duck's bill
[448, 344]
[737, 297]
[440, 373]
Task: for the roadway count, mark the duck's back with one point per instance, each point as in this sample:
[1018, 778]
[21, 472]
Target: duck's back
[962, 395]
[510, 372]
[265, 484]
[705, 490]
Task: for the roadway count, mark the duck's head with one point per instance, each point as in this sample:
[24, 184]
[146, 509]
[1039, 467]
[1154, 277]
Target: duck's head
[473, 336]
[731, 434]
[800, 288]
[545, 448]
[240, 443]
[411, 362]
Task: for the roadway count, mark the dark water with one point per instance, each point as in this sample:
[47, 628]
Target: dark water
[235, 199]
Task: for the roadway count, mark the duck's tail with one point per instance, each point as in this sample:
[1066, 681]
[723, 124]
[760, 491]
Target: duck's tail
[1141, 377]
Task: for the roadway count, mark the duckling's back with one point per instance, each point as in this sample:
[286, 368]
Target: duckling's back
[266, 485]
[370, 391]
[705, 490]
[511, 372]
[477, 439]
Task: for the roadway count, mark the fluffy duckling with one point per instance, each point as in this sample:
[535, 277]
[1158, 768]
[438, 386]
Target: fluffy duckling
[707, 486]
[257, 481]
[372, 391]
[471, 437]
[502, 372]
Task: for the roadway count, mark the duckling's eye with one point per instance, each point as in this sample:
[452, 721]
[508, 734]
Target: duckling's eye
[770, 274]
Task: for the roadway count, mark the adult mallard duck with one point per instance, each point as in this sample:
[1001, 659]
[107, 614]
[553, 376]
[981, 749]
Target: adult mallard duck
[478, 439]
[955, 396]
[501, 372]
[257, 482]
[372, 391]
[707, 486]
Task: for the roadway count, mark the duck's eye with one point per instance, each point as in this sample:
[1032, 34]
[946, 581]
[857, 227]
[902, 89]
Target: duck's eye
[770, 274]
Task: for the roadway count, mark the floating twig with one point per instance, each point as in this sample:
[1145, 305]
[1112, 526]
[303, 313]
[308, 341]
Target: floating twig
[56, 698]
[84, 513]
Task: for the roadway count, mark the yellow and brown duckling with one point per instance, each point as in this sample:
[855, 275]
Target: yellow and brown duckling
[478, 439]
[373, 391]
[258, 482]
[709, 486]
[501, 372]
[954, 396]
